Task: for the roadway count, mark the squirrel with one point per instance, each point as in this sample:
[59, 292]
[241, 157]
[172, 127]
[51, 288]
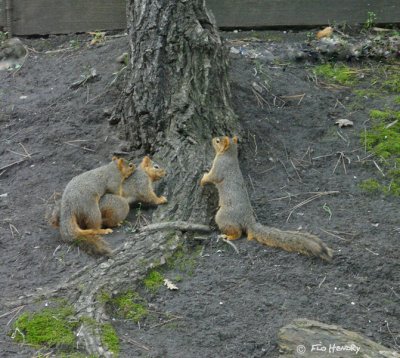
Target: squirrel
[235, 214]
[137, 188]
[79, 217]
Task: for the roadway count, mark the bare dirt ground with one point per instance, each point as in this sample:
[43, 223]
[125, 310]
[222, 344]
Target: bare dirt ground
[228, 304]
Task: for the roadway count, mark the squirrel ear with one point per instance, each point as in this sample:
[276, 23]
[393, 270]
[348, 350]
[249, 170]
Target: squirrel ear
[235, 139]
[146, 161]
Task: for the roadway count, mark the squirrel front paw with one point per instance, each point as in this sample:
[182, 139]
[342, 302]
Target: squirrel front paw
[162, 200]
[203, 180]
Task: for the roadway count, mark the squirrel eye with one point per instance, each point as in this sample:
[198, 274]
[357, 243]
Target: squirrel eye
[217, 140]
[130, 165]
[156, 166]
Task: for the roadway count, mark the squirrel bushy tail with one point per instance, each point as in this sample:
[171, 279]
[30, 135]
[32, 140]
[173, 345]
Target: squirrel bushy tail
[87, 239]
[294, 241]
[94, 245]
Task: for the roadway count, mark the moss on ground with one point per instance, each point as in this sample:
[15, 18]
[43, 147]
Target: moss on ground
[337, 73]
[370, 186]
[383, 139]
[367, 92]
[110, 338]
[50, 327]
[184, 260]
[55, 327]
[153, 281]
[129, 305]
[393, 83]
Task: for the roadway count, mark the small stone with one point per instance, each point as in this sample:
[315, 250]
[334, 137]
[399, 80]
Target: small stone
[124, 58]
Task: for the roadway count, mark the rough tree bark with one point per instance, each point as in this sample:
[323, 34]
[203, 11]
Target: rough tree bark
[175, 100]
[307, 338]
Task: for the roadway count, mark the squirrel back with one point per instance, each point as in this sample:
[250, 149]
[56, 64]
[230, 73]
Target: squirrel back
[115, 208]
[235, 215]
[80, 216]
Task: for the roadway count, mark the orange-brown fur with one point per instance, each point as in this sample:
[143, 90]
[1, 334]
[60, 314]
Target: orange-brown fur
[235, 214]
[80, 216]
[137, 188]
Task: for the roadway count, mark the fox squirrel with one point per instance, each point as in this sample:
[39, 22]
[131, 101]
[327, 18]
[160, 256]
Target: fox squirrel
[137, 188]
[235, 214]
[79, 212]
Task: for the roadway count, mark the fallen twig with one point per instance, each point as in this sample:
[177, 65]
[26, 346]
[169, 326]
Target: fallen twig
[78, 146]
[377, 166]
[301, 96]
[12, 229]
[12, 311]
[332, 234]
[13, 163]
[374, 253]
[323, 280]
[223, 238]
[137, 344]
[15, 314]
[89, 78]
[316, 196]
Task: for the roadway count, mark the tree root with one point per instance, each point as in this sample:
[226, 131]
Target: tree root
[176, 225]
[129, 265]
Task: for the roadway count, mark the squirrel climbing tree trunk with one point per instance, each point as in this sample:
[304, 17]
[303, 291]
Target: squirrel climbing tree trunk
[176, 98]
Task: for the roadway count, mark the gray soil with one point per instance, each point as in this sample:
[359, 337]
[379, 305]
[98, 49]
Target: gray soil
[228, 304]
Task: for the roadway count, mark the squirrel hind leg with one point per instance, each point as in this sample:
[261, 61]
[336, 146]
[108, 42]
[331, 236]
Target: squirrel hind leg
[92, 220]
[232, 233]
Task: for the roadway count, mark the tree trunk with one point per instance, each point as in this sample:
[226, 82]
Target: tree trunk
[175, 100]
[177, 86]
[177, 96]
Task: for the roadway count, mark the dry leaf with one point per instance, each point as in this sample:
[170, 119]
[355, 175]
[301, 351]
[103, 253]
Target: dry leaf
[170, 285]
[344, 123]
[326, 32]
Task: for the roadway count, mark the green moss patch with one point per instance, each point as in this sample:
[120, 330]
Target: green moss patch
[154, 280]
[383, 139]
[370, 186]
[50, 327]
[393, 84]
[129, 305]
[367, 92]
[110, 338]
[337, 73]
[184, 260]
